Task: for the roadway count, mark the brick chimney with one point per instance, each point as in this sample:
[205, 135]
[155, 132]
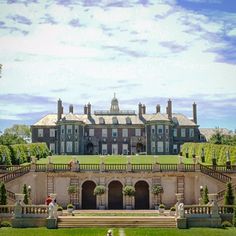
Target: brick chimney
[140, 109]
[169, 109]
[85, 109]
[158, 108]
[71, 109]
[143, 109]
[89, 109]
[195, 113]
[59, 109]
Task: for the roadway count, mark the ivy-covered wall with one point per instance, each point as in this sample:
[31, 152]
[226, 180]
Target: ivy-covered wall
[209, 149]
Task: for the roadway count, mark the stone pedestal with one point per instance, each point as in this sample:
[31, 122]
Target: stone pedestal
[156, 167]
[197, 167]
[50, 167]
[129, 167]
[102, 167]
[51, 223]
[180, 167]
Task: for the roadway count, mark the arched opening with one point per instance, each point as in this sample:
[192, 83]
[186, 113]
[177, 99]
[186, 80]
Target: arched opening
[115, 196]
[88, 198]
[90, 148]
[139, 147]
[141, 195]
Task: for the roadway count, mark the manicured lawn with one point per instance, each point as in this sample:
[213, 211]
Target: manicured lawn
[142, 159]
[128, 232]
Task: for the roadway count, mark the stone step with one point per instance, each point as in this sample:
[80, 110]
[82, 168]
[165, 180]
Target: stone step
[75, 222]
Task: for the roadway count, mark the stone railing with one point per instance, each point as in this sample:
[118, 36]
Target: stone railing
[197, 209]
[40, 211]
[8, 168]
[168, 167]
[6, 210]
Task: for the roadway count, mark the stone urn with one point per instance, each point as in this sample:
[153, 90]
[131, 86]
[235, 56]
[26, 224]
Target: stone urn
[53, 196]
[19, 198]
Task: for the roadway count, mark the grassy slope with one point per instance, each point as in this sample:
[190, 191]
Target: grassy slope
[128, 232]
[143, 159]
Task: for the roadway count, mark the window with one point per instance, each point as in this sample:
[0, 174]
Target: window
[104, 133]
[160, 129]
[167, 146]
[125, 149]
[153, 129]
[128, 121]
[69, 129]
[124, 133]
[101, 121]
[175, 132]
[62, 129]
[137, 132]
[52, 132]
[153, 145]
[91, 132]
[114, 133]
[104, 149]
[62, 147]
[191, 133]
[52, 147]
[76, 147]
[114, 149]
[68, 146]
[40, 132]
[76, 129]
[114, 121]
[160, 146]
[167, 129]
[183, 133]
[175, 148]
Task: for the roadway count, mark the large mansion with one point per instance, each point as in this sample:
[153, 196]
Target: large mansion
[116, 131]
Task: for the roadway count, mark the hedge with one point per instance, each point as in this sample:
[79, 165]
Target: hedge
[19, 153]
[4, 151]
[209, 148]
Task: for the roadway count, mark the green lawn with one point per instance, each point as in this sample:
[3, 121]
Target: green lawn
[142, 159]
[128, 232]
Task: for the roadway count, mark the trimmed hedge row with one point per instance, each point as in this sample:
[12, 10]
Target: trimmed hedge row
[209, 149]
[20, 153]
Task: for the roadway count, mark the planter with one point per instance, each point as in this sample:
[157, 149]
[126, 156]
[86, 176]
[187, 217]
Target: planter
[172, 213]
[161, 210]
[59, 213]
[70, 210]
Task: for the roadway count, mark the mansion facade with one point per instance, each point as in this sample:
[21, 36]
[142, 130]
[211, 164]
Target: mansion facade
[116, 131]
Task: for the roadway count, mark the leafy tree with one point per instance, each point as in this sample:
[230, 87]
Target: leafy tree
[11, 139]
[205, 195]
[156, 190]
[99, 191]
[22, 131]
[217, 137]
[26, 197]
[3, 194]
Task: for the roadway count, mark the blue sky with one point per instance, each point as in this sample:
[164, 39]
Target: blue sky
[144, 50]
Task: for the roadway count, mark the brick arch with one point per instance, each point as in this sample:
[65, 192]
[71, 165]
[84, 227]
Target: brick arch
[142, 195]
[88, 198]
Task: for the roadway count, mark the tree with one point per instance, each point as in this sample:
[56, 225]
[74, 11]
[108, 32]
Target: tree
[11, 139]
[3, 194]
[26, 197]
[71, 190]
[156, 190]
[229, 196]
[205, 195]
[217, 137]
[99, 191]
[22, 131]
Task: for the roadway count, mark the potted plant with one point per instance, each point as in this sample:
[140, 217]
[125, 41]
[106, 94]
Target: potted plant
[129, 191]
[156, 190]
[59, 211]
[71, 190]
[99, 191]
[161, 208]
[172, 211]
[70, 208]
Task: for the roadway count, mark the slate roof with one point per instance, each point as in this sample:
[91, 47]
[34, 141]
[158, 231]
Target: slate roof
[51, 119]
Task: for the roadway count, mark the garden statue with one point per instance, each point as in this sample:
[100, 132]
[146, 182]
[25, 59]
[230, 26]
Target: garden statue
[181, 210]
[52, 209]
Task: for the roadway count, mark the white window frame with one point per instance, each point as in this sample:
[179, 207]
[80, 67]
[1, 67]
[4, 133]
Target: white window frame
[104, 149]
[114, 133]
[69, 129]
[167, 129]
[137, 132]
[191, 133]
[52, 133]
[175, 132]
[62, 147]
[104, 133]
[183, 132]
[40, 133]
[160, 146]
[69, 146]
[114, 148]
[125, 148]
[91, 132]
[125, 133]
[153, 129]
[160, 128]
[52, 147]
[167, 146]
[76, 147]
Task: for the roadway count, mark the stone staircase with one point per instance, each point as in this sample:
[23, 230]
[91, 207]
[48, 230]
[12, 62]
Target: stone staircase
[116, 221]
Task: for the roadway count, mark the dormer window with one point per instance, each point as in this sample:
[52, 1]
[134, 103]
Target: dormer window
[128, 121]
[101, 121]
[114, 120]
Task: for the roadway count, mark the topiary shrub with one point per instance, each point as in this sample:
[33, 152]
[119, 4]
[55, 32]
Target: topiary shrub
[3, 194]
[26, 197]
[6, 223]
[205, 195]
[225, 224]
[129, 191]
